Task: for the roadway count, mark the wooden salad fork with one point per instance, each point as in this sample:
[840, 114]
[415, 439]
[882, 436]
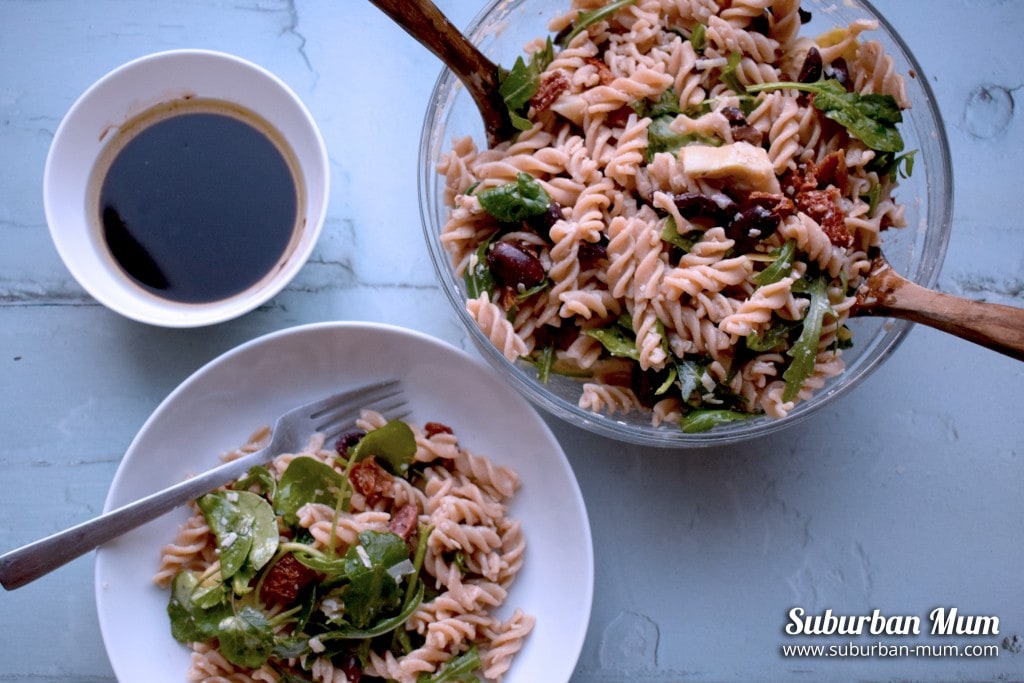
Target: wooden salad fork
[331, 416]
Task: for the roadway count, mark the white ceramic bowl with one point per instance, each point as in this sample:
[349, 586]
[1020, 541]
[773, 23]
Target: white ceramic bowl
[93, 123]
[504, 27]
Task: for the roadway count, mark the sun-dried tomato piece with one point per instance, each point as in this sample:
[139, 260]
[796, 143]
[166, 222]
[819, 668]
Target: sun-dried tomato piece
[371, 480]
[433, 428]
[552, 85]
[821, 205]
[285, 580]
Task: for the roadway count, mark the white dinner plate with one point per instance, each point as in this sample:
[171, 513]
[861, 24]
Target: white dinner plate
[218, 407]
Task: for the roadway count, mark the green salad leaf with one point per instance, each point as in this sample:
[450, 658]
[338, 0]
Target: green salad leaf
[478, 277]
[618, 338]
[871, 118]
[393, 444]
[703, 420]
[459, 669]
[771, 337]
[667, 104]
[307, 480]
[518, 200]
[661, 138]
[730, 74]
[246, 530]
[690, 374]
[520, 83]
[781, 267]
[805, 349]
[670, 233]
[191, 622]
[372, 589]
[591, 17]
[246, 638]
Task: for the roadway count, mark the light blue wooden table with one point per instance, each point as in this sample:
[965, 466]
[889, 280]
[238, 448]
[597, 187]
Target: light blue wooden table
[904, 496]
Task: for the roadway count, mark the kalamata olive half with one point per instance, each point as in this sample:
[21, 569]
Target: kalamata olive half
[755, 219]
[839, 71]
[514, 265]
[735, 115]
[810, 72]
[542, 223]
[696, 205]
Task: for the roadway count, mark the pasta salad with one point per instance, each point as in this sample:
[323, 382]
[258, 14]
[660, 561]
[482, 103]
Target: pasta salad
[383, 557]
[694, 194]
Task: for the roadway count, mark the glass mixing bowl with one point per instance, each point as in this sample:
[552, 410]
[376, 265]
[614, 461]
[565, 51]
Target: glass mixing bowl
[504, 27]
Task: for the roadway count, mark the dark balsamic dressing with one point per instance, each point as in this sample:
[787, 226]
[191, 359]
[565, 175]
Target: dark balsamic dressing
[198, 204]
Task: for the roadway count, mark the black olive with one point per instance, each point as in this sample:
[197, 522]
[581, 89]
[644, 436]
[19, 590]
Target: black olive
[839, 71]
[514, 265]
[734, 115]
[590, 254]
[348, 440]
[810, 72]
[542, 223]
[696, 205]
[750, 225]
[645, 384]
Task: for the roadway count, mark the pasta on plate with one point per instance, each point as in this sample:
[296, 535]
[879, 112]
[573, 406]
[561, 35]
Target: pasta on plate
[386, 557]
[695, 193]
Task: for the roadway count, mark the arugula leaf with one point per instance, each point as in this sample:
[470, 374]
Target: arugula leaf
[246, 638]
[307, 480]
[771, 337]
[872, 196]
[729, 76]
[544, 362]
[518, 200]
[589, 18]
[670, 379]
[518, 85]
[670, 234]
[698, 38]
[667, 104]
[893, 166]
[870, 118]
[384, 625]
[690, 373]
[616, 340]
[478, 277]
[394, 444]
[703, 420]
[458, 669]
[781, 267]
[805, 349]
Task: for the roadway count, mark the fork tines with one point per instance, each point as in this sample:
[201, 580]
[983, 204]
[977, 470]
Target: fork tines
[337, 413]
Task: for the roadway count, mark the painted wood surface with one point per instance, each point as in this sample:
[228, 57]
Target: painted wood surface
[904, 496]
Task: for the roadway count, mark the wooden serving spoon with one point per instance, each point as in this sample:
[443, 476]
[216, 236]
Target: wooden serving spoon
[884, 294]
[427, 24]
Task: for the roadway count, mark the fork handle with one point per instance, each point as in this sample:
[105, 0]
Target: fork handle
[26, 564]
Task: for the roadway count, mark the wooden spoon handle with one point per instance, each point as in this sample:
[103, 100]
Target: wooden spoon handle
[427, 24]
[994, 326]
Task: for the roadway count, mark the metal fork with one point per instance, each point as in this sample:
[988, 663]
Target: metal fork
[331, 416]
